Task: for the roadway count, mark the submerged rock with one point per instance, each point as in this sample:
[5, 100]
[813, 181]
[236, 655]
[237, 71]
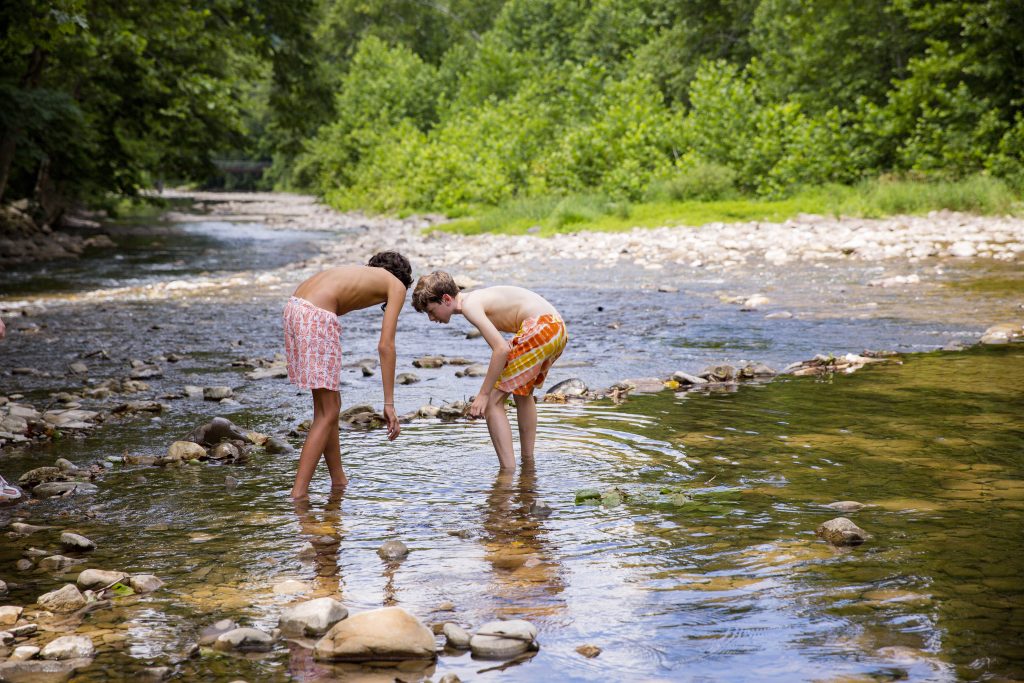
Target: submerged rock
[211, 633]
[846, 506]
[570, 387]
[428, 362]
[41, 670]
[503, 639]
[387, 634]
[276, 444]
[589, 651]
[841, 532]
[144, 583]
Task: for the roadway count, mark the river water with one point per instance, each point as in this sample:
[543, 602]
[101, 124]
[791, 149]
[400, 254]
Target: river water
[730, 583]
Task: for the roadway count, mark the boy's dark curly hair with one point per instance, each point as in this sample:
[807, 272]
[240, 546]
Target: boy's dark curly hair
[394, 263]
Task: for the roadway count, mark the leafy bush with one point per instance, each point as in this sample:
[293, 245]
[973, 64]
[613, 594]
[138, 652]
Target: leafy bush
[696, 179]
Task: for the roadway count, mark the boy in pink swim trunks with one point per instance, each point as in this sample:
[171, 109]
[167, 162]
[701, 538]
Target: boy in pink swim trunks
[312, 345]
[517, 367]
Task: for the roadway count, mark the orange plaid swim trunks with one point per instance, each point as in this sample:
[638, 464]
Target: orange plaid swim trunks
[536, 346]
[312, 345]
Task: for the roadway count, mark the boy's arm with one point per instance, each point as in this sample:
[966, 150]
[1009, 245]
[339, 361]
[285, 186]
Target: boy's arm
[386, 351]
[499, 355]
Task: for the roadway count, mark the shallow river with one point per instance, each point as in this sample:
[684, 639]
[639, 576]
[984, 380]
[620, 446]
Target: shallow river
[732, 585]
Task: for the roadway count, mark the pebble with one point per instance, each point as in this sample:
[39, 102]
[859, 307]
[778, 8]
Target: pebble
[392, 550]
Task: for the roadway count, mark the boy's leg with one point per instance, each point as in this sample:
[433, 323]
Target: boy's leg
[526, 414]
[500, 429]
[332, 455]
[326, 406]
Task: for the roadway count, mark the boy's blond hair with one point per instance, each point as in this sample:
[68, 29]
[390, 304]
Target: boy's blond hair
[430, 288]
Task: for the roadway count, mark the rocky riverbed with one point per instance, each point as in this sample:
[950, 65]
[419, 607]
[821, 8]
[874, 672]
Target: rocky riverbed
[154, 540]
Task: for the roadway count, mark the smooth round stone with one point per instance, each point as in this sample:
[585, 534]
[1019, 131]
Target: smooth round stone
[26, 529]
[386, 634]
[393, 550]
[76, 541]
[503, 639]
[244, 640]
[589, 651]
[456, 636]
[60, 488]
[54, 562]
[846, 506]
[842, 532]
[224, 451]
[68, 647]
[41, 671]
[98, 578]
[144, 583]
[185, 450]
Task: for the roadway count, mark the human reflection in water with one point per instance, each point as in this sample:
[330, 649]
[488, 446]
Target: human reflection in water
[527, 577]
[325, 533]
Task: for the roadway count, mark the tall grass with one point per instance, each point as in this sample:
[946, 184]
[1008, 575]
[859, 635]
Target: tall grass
[869, 199]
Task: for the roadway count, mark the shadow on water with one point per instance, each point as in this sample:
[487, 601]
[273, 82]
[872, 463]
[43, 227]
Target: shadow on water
[724, 582]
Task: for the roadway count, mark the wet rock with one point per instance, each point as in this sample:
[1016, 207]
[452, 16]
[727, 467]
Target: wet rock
[667, 289]
[449, 678]
[100, 578]
[71, 419]
[244, 640]
[475, 370]
[141, 459]
[3, 587]
[841, 532]
[66, 599]
[846, 506]
[407, 378]
[146, 372]
[27, 529]
[41, 671]
[192, 391]
[23, 565]
[64, 488]
[230, 483]
[9, 615]
[539, 509]
[392, 550]
[211, 633]
[474, 334]
[312, 618]
[24, 653]
[364, 416]
[14, 424]
[276, 444]
[456, 637]
[588, 497]
[216, 430]
[144, 583]
[76, 542]
[366, 369]
[779, 315]
[453, 411]
[570, 387]
[589, 651]
[428, 411]
[217, 393]
[1003, 333]
[641, 385]
[719, 373]
[751, 303]
[224, 451]
[65, 465]
[68, 647]
[428, 362]
[756, 370]
[503, 639]
[55, 562]
[307, 550]
[387, 634]
[138, 407]
[41, 475]
[184, 450]
[686, 379]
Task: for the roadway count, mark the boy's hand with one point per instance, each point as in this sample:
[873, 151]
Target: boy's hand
[393, 427]
[479, 406]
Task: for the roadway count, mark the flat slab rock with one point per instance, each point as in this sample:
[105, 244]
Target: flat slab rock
[387, 634]
[41, 671]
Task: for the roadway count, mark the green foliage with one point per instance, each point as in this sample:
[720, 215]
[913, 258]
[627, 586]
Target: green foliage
[887, 196]
[695, 180]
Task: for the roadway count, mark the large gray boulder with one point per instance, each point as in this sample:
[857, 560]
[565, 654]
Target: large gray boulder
[387, 634]
[312, 618]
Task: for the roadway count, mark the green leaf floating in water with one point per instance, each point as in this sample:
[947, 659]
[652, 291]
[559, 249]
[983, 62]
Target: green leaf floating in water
[588, 497]
[121, 590]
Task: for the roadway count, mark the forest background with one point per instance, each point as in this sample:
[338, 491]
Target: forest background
[557, 112]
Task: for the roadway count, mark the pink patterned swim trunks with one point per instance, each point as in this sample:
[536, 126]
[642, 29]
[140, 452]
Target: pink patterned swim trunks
[312, 345]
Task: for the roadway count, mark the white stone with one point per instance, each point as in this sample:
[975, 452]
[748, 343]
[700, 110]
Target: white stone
[503, 639]
[68, 647]
[312, 618]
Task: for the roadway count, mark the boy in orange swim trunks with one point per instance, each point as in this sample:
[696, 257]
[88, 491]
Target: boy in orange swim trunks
[312, 345]
[517, 367]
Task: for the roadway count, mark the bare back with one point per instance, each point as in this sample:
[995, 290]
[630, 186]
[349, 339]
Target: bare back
[507, 306]
[347, 288]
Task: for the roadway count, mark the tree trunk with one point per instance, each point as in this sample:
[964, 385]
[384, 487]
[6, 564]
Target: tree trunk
[7, 147]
